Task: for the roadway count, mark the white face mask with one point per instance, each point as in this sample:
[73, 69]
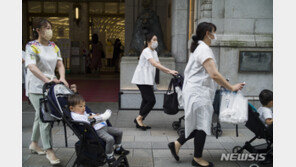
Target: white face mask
[154, 45]
[215, 38]
[48, 34]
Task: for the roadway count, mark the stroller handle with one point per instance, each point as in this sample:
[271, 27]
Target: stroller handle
[48, 85]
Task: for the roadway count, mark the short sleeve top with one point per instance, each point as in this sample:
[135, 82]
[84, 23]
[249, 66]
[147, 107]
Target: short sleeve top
[145, 71]
[264, 113]
[45, 58]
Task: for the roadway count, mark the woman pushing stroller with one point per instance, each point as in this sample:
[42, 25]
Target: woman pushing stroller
[198, 92]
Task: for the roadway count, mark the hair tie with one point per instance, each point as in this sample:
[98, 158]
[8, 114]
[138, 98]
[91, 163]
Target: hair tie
[194, 38]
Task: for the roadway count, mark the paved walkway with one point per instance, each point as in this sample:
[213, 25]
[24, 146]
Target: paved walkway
[148, 148]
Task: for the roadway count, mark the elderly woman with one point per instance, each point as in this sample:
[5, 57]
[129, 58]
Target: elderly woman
[198, 92]
[42, 58]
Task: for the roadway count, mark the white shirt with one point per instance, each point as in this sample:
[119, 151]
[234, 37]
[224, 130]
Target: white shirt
[145, 71]
[84, 118]
[198, 91]
[265, 113]
[45, 58]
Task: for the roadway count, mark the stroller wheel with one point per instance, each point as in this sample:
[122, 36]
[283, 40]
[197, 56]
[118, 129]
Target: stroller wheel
[181, 131]
[176, 125]
[237, 149]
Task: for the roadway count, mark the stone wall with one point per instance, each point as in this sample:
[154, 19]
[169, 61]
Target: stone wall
[180, 9]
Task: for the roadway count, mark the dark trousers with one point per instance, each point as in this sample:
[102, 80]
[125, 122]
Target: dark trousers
[199, 141]
[148, 99]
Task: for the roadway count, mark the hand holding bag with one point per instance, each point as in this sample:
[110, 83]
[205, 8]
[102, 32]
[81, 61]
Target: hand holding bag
[170, 100]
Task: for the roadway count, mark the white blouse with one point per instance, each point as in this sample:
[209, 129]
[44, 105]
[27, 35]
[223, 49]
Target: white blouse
[145, 71]
[45, 58]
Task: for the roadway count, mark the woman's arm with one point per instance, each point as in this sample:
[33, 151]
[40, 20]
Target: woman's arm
[161, 67]
[35, 70]
[61, 70]
[210, 67]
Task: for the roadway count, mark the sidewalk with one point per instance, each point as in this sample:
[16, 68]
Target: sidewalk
[148, 148]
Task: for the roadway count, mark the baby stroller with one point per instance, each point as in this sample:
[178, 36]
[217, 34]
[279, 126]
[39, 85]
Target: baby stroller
[261, 132]
[216, 130]
[90, 149]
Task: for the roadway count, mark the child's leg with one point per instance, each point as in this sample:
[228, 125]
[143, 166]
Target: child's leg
[103, 134]
[116, 133]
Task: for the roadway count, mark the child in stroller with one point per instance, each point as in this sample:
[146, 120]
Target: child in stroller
[110, 135]
[265, 112]
[258, 127]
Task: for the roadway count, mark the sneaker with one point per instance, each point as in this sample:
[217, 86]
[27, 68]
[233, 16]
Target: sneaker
[111, 160]
[121, 151]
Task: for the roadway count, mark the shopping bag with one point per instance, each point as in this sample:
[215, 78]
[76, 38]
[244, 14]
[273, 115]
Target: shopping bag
[233, 108]
[170, 100]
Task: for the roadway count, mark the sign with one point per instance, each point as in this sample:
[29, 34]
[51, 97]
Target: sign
[255, 61]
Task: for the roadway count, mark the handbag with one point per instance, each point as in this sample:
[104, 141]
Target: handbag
[170, 100]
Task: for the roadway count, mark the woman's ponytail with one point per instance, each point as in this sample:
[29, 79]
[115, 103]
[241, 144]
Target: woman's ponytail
[35, 34]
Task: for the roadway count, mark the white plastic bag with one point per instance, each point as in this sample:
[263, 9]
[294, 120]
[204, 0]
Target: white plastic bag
[180, 98]
[233, 108]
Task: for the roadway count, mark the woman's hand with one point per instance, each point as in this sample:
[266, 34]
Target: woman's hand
[64, 81]
[55, 80]
[238, 87]
[173, 72]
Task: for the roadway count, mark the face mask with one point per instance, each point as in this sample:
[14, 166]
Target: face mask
[48, 34]
[154, 45]
[215, 38]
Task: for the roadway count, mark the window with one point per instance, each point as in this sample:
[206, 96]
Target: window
[34, 7]
[50, 7]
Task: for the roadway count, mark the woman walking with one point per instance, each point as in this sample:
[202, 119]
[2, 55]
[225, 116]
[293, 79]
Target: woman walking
[198, 93]
[42, 58]
[144, 77]
[97, 50]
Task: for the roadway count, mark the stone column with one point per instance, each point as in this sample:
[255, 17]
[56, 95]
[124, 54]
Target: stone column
[179, 25]
[79, 33]
[25, 32]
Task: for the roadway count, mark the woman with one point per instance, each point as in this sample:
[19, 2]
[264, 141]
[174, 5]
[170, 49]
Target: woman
[42, 57]
[97, 49]
[116, 54]
[144, 78]
[198, 92]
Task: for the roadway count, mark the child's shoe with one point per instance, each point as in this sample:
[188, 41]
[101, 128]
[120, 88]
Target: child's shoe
[121, 151]
[110, 160]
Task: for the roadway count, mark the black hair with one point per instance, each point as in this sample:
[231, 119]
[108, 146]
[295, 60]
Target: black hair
[200, 33]
[38, 23]
[149, 38]
[75, 99]
[265, 97]
[95, 38]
